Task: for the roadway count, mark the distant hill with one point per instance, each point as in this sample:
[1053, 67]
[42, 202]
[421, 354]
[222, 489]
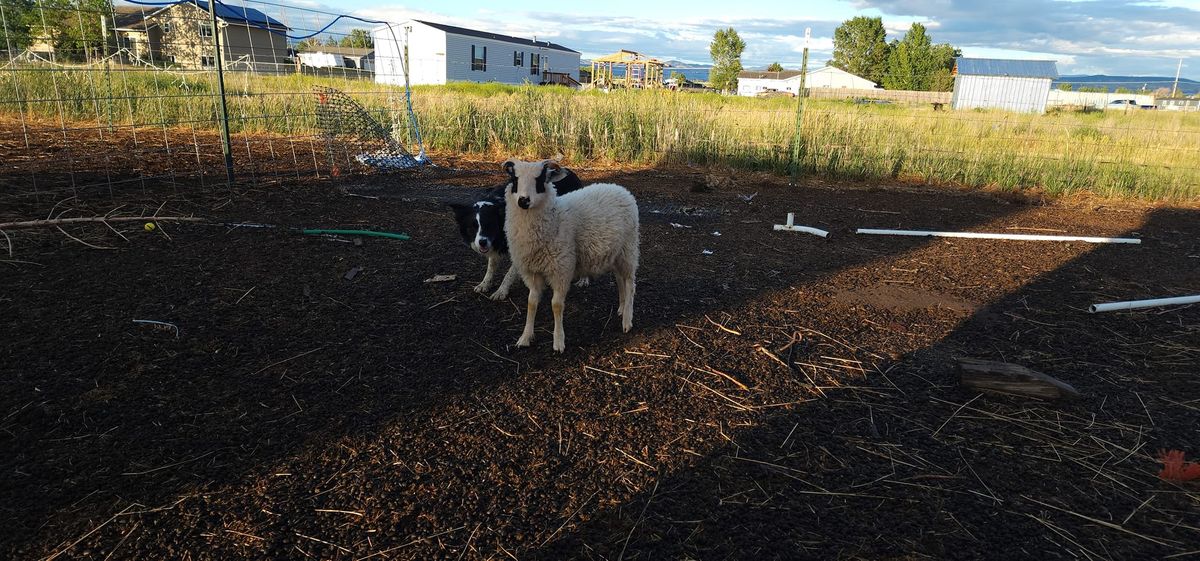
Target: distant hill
[1186, 86]
[673, 63]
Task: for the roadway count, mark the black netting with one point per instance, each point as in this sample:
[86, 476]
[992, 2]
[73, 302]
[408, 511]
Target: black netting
[341, 120]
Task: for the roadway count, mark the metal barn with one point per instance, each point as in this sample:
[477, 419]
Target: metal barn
[1012, 85]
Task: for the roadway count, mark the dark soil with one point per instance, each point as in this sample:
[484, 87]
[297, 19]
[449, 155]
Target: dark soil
[784, 397]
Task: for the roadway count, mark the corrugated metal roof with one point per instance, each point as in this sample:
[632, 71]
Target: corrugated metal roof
[1004, 67]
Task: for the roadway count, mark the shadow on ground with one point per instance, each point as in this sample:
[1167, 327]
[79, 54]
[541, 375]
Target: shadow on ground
[785, 396]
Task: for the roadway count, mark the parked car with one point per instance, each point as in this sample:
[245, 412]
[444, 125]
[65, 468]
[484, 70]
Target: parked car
[1127, 104]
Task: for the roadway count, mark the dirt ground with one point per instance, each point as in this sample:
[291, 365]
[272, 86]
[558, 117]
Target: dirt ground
[784, 397]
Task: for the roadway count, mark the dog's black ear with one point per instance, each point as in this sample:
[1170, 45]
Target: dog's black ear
[460, 210]
[554, 172]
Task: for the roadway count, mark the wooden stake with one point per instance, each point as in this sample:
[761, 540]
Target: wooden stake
[61, 221]
[1003, 377]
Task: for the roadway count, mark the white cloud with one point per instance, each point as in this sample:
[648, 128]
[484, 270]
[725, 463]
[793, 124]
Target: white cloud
[1113, 36]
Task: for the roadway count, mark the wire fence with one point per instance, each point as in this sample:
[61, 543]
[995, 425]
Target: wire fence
[105, 97]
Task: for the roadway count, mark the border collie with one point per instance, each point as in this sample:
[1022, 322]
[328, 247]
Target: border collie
[481, 225]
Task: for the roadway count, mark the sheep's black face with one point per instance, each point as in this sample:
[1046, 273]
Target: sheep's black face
[531, 184]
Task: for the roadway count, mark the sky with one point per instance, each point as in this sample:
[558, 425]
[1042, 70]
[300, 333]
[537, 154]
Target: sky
[1145, 37]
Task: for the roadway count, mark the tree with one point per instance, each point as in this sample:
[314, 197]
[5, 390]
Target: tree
[726, 51]
[860, 47]
[1162, 92]
[309, 44]
[22, 19]
[72, 27]
[775, 67]
[1123, 90]
[1065, 86]
[359, 39]
[678, 79]
[331, 41]
[915, 63]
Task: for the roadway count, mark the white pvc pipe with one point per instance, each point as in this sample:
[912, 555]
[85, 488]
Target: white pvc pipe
[792, 227]
[988, 236]
[1136, 304]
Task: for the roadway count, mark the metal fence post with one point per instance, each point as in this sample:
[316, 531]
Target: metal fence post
[800, 108]
[225, 146]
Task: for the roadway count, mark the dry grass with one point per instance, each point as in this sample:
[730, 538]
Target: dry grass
[1142, 155]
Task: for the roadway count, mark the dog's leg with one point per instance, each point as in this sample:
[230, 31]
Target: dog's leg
[536, 285]
[502, 292]
[484, 285]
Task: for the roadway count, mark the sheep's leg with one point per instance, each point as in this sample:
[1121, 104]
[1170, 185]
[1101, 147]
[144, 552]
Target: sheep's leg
[630, 289]
[557, 303]
[486, 283]
[536, 284]
[625, 274]
[502, 292]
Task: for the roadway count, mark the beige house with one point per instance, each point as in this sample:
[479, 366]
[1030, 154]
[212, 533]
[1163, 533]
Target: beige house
[181, 35]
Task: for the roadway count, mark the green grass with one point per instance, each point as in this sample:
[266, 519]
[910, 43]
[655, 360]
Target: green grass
[1145, 155]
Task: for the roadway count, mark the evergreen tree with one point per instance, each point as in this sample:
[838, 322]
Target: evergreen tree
[359, 39]
[915, 63]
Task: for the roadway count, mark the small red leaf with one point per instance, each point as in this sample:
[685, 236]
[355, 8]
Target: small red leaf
[1175, 469]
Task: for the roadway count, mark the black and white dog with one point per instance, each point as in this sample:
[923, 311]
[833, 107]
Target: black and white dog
[481, 225]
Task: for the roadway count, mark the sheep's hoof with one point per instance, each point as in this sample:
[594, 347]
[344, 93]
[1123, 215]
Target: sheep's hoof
[482, 287]
[500, 295]
[583, 282]
[525, 340]
[560, 346]
[627, 325]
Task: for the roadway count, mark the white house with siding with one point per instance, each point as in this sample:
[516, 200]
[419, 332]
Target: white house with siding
[751, 84]
[1022, 86]
[439, 53]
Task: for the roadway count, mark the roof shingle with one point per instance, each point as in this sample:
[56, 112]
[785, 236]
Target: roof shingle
[495, 36]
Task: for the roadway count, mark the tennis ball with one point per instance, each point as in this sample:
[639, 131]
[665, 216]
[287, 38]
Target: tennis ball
[149, 226]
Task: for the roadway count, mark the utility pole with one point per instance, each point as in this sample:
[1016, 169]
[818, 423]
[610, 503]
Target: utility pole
[225, 146]
[1178, 68]
[800, 108]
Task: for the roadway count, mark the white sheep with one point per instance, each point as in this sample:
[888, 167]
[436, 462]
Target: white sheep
[554, 240]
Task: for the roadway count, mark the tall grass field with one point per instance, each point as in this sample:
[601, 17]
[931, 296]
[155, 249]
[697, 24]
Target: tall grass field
[1152, 155]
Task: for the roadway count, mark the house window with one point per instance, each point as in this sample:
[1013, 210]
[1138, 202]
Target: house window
[166, 27]
[535, 64]
[479, 58]
[206, 29]
[518, 58]
[208, 62]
